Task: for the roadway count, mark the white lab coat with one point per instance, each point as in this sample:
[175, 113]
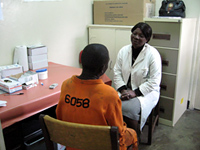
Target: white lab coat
[145, 74]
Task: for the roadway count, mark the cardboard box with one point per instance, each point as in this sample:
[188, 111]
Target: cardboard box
[124, 12]
[9, 85]
[37, 50]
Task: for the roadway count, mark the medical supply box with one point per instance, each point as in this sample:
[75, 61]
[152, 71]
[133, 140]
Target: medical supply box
[9, 85]
[6, 71]
[37, 50]
[37, 57]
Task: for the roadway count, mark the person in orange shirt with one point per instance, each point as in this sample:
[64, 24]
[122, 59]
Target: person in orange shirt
[86, 99]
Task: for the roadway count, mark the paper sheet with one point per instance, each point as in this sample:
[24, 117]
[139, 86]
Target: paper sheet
[3, 103]
[60, 147]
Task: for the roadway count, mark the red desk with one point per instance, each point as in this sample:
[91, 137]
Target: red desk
[38, 98]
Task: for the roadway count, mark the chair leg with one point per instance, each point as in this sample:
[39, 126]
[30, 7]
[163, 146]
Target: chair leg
[153, 121]
[157, 110]
[49, 144]
[150, 126]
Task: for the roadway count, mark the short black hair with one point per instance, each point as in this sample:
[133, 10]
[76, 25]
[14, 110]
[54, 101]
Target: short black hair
[145, 28]
[94, 57]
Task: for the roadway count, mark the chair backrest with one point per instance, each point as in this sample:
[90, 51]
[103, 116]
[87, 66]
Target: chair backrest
[80, 54]
[80, 136]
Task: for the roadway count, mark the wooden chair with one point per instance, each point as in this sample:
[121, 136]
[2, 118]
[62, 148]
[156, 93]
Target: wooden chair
[80, 136]
[152, 121]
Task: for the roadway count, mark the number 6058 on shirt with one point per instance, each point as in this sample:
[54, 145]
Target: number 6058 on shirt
[78, 102]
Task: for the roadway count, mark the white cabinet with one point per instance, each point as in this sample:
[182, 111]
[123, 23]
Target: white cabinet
[113, 37]
[174, 39]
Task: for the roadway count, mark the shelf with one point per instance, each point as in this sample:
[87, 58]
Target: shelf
[110, 26]
[164, 19]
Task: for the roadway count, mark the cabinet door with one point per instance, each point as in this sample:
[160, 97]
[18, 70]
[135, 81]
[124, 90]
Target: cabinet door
[123, 37]
[105, 36]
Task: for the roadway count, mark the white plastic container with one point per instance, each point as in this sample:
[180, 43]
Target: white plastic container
[42, 74]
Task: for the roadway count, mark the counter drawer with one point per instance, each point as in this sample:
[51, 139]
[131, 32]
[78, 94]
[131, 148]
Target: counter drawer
[165, 34]
[166, 108]
[169, 60]
[167, 86]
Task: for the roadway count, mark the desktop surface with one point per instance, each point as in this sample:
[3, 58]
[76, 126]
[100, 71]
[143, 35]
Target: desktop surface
[39, 98]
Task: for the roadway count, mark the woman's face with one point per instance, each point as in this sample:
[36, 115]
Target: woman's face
[137, 38]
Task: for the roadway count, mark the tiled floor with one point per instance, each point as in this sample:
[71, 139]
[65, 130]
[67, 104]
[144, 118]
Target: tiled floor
[185, 135]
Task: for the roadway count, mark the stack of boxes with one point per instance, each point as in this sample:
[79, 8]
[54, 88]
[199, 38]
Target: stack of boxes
[37, 57]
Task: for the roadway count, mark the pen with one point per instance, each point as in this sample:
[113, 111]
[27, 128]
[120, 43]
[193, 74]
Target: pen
[14, 94]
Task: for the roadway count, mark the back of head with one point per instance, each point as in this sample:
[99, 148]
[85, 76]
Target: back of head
[145, 28]
[94, 58]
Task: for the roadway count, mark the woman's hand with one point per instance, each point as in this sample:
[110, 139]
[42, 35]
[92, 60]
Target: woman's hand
[127, 94]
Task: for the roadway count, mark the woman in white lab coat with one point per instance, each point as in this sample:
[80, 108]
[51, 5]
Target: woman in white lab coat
[137, 76]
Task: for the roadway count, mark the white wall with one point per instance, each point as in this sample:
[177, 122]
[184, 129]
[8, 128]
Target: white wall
[61, 26]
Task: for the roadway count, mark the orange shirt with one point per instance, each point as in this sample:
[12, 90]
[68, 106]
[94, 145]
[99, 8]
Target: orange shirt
[91, 102]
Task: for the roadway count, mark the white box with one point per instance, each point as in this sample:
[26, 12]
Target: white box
[9, 85]
[6, 71]
[37, 50]
[36, 58]
[38, 64]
